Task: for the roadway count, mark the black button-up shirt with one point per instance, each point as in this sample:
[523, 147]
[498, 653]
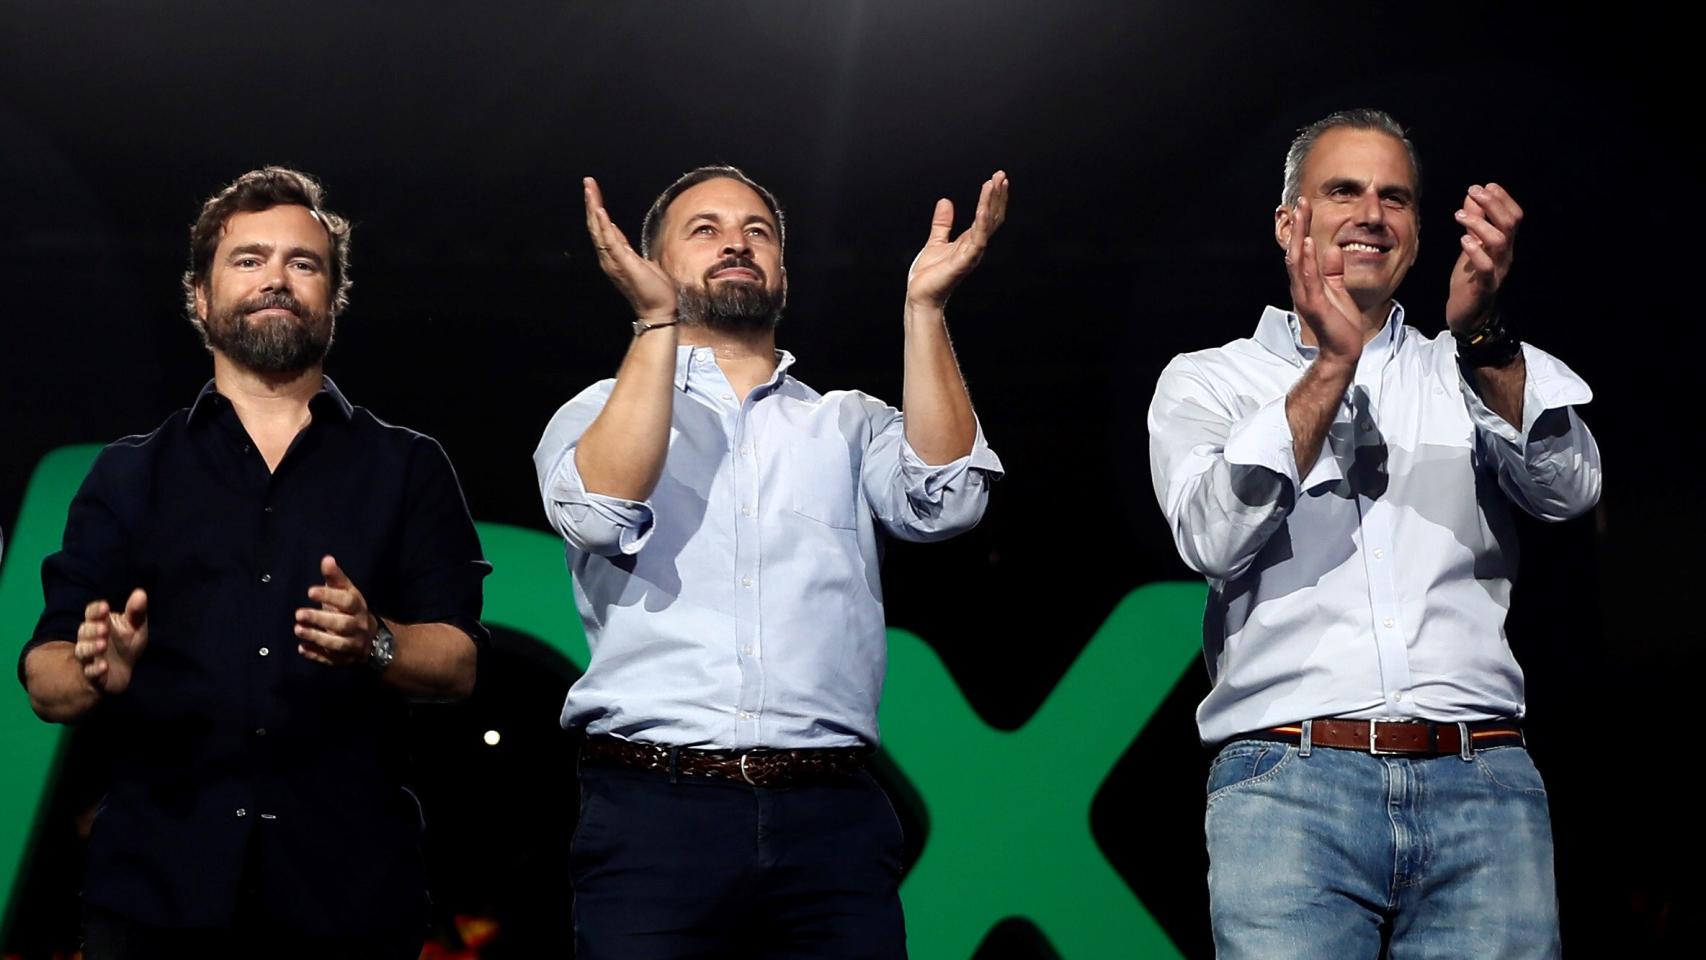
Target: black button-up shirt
[231, 747]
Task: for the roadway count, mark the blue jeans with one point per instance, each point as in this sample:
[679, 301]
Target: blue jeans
[1339, 854]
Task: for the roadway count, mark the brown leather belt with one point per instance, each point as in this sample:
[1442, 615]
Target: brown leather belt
[1403, 737]
[760, 768]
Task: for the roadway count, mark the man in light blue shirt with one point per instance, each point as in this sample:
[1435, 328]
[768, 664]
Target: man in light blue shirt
[724, 525]
[1345, 483]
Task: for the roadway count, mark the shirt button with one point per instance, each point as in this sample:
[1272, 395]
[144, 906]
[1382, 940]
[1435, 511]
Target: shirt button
[265, 651]
[242, 812]
[267, 508]
[747, 650]
[746, 581]
[746, 511]
[1380, 554]
[728, 396]
[746, 449]
[260, 731]
[266, 578]
[747, 715]
[1398, 696]
[1387, 622]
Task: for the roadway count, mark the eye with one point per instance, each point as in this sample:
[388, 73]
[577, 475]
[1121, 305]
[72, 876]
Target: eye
[1396, 202]
[305, 266]
[247, 262]
[759, 232]
[704, 228]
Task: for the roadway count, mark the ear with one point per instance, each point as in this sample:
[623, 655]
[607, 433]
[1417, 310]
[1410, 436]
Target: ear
[1282, 225]
[201, 302]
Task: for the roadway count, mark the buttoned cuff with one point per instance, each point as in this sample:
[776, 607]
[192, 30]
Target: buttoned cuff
[1263, 439]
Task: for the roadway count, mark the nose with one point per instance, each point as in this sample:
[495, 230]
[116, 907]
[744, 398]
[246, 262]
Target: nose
[275, 276]
[737, 245]
[1370, 210]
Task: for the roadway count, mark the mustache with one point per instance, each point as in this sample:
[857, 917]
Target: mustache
[277, 300]
[745, 263]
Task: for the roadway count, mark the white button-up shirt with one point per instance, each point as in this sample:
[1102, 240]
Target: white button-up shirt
[1376, 584]
[740, 605]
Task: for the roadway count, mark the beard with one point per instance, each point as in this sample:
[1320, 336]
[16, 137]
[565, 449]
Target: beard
[273, 345]
[733, 307]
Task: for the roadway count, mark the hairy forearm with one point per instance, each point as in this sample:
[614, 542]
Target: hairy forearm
[940, 426]
[1311, 406]
[435, 661]
[622, 453]
[59, 691]
[1501, 388]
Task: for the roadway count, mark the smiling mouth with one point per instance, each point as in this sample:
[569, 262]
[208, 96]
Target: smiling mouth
[734, 273]
[1358, 247]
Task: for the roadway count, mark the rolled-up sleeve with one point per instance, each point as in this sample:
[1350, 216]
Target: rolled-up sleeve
[597, 524]
[914, 500]
[1225, 482]
[1550, 466]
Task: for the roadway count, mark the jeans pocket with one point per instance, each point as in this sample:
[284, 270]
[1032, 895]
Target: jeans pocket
[1510, 768]
[1245, 763]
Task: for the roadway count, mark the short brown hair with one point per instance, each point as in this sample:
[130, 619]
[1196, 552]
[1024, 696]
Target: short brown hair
[252, 192]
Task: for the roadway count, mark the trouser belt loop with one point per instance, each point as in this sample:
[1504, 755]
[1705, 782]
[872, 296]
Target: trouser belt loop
[674, 752]
[1465, 743]
[1306, 742]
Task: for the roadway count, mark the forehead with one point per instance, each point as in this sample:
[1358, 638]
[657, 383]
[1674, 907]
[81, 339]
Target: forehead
[1364, 155]
[729, 199]
[286, 225]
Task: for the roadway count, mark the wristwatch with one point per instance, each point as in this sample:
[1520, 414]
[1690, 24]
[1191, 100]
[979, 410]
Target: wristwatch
[382, 649]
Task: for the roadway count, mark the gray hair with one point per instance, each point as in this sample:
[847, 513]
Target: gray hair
[1362, 118]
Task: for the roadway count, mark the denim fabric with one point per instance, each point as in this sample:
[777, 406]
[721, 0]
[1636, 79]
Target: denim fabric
[1336, 853]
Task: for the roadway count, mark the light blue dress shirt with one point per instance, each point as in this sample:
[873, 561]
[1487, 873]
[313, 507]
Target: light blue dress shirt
[1375, 585]
[740, 606]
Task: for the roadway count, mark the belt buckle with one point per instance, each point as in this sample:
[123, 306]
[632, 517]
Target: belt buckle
[1373, 748]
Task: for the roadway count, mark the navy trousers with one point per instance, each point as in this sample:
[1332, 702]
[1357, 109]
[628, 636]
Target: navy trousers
[668, 870]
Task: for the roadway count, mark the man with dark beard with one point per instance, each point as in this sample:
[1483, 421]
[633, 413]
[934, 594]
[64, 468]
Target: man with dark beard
[246, 598]
[723, 522]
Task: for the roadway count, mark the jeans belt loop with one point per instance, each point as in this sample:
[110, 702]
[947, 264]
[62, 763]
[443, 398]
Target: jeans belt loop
[1465, 743]
[1306, 742]
[674, 776]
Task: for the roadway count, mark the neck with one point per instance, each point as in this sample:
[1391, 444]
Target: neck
[747, 358]
[264, 400]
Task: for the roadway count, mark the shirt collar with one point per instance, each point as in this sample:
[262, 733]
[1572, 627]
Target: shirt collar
[689, 360]
[1281, 333]
[329, 396]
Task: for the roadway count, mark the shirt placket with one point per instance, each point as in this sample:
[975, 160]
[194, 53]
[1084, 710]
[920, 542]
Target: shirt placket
[1380, 559]
[740, 422]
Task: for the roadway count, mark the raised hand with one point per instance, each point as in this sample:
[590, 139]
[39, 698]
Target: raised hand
[1318, 293]
[647, 288]
[1490, 218]
[109, 643]
[341, 631]
[943, 263]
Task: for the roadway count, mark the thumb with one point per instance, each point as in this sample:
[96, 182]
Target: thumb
[334, 574]
[942, 221]
[136, 609]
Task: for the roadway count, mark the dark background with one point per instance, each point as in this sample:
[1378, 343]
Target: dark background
[1145, 143]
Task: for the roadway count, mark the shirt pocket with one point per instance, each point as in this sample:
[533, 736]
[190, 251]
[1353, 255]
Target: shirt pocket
[820, 481]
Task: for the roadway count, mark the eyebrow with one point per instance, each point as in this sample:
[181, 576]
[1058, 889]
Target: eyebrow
[266, 249]
[712, 215]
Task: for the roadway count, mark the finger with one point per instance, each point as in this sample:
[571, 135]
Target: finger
[315, 654]
[342, 624]
[86, 650]
[998, 199]
[980, 227]
[593, 200]
[97, 610]
[334, 574]
[1478, 256]
[1501, 207]
[136, 609]
[332, 643]
[1489, 235]
[335, 598]
[95, 668]
[941, 221]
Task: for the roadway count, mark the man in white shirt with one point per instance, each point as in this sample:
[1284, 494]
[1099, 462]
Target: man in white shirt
[1344, 484]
